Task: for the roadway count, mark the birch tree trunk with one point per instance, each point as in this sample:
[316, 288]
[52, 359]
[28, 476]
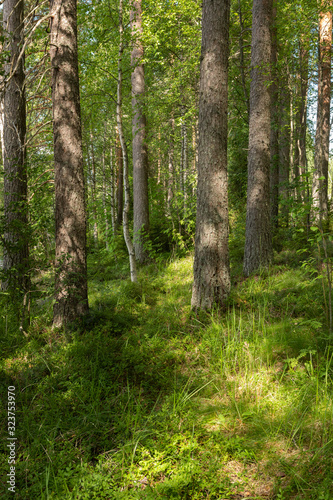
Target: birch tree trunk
[127, 237]
[112, 190]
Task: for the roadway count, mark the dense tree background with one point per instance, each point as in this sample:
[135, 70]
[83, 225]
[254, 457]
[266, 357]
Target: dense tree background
[160, 395]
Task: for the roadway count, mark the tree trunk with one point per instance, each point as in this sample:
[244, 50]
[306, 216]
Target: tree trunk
[128, 241]
[211, 284]
[258, 245]
[71, 298]
[320, 176]
[16, 250]
[140, 158]
[112, 194]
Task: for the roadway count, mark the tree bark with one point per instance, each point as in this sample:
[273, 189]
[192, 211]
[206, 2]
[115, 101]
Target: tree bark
[140, 157]
[258, 245]
[16, 250]
[320, 176]
[112, 193]
[211, 284]
[71, 298]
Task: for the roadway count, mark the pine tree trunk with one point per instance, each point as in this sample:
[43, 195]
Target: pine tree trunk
[211, 284]
[140, 158]
[320, 176]
[16, 250]
[258, 245]
[71, 298]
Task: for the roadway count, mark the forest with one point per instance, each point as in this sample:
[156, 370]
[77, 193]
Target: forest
[166, 250]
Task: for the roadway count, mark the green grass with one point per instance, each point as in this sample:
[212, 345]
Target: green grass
[144, 400]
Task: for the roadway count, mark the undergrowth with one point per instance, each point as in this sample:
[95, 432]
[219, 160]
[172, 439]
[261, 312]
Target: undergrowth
[144, 400]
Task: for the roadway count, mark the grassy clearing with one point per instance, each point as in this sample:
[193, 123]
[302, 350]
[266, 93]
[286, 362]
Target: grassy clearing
[143, 400]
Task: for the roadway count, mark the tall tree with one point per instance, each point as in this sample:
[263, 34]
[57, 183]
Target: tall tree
[211, 260]
[16, 250]
[258, 245]
[140, 157]
[320, 176]
[126, 232]
[71, 298]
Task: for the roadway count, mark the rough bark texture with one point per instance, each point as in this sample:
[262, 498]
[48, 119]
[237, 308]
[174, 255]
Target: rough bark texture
[16, 251]
[258, 246]
[211, 260]
[140, 158]
[319, 187]
[71, 299]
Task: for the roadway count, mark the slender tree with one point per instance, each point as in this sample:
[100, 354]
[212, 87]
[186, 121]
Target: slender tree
[258, 246]
[127, 237]
[320, 176]
[140, 157]
[16, 250]
[71, 299]
[211, 260]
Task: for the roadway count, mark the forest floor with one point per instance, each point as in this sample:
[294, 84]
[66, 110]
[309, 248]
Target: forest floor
[144, 400]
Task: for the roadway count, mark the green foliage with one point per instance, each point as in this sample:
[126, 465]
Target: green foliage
[143, 400]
